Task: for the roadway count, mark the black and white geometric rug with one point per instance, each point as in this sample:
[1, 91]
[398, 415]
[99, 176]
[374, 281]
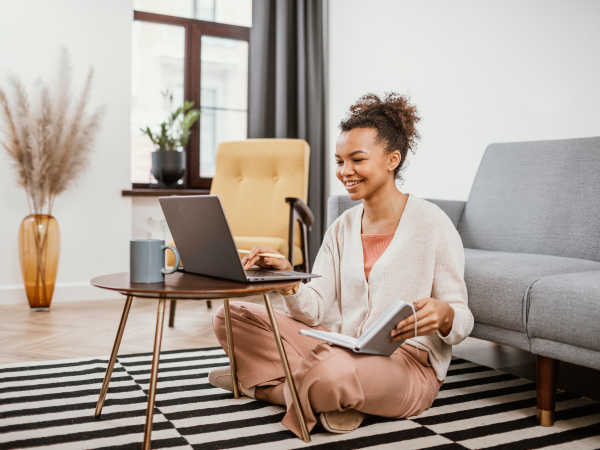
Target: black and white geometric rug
[50, 405]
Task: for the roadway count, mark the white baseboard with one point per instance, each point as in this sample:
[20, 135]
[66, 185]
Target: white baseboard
[74, 291]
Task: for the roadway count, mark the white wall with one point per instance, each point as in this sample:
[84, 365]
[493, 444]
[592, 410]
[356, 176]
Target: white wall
[94, 219]
[148, 220]
[479, 72]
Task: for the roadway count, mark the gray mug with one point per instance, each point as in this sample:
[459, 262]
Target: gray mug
[147, 260]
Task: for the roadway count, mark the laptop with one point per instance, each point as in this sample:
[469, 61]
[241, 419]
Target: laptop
[204, 240]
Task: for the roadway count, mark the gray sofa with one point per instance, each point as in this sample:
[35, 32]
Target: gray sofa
[531, 232]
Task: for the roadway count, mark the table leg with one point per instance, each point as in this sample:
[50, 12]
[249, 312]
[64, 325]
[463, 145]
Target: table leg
[160, 318]
[286, 369]
[229, 330]
[113, 357]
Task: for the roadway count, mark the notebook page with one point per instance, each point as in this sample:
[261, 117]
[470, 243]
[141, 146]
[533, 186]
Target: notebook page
[334, 338]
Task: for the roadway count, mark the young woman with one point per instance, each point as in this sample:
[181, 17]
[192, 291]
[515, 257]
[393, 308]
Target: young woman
[393, 246]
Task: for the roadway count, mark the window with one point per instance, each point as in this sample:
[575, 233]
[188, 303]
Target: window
[158, 63]
[205, 62]
[223, 95]
[233, 12]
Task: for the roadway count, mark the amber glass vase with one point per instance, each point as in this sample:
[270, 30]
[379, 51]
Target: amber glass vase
[39, 247]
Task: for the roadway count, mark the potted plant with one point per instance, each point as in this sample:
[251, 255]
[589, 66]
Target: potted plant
[168, 161]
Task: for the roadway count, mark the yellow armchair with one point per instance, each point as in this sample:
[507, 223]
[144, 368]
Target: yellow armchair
[263, 186]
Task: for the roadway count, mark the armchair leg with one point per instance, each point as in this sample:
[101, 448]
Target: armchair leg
[208, 304]
[305, 249]
[172, 306]
[546, 377]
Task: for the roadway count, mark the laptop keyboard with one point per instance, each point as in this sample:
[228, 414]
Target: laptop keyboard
[265, 273]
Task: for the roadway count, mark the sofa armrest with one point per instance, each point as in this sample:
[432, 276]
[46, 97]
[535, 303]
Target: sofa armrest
[336, 205]
[453, 208]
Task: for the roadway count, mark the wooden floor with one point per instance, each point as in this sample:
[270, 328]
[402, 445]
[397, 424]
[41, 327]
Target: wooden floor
[83, 329]
[87, 329]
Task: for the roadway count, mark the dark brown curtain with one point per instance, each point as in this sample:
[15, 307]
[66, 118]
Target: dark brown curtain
[287, 98]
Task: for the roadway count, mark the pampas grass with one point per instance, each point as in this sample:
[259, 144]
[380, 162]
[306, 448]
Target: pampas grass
[49, 139]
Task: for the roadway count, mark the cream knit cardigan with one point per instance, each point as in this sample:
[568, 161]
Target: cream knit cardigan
[424, 259]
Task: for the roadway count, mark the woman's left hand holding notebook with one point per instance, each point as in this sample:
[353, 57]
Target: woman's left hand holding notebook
[433, 315]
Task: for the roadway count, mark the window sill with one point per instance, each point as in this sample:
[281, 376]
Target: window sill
[157, 192]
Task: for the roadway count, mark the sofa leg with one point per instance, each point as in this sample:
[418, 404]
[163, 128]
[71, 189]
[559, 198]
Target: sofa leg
[546, 377]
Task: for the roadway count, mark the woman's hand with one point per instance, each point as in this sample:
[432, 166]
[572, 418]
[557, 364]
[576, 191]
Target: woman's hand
[271, 263]
[433, 315]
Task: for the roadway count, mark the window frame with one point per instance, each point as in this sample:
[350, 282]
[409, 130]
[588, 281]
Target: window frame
[194, 30]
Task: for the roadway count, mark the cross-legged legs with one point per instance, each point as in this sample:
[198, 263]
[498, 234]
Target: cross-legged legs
[328, 378]
[335, 379]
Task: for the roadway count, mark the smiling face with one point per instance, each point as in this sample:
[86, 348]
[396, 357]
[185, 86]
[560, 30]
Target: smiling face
[364, 165]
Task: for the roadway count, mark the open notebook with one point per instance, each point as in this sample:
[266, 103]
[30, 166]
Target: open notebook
[376, 340]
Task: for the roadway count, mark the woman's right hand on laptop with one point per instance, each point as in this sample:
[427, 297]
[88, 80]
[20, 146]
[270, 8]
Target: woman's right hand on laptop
[268, 263]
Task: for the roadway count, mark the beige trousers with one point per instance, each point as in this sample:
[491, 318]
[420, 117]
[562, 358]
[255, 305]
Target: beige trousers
[327, 377]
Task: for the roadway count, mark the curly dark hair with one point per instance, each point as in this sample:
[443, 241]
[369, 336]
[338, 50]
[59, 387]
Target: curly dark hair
[394, 118]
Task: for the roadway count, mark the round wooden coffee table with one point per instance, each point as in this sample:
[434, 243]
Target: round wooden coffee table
[183, 286]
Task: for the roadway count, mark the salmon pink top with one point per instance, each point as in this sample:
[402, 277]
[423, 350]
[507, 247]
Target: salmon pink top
[373, 247]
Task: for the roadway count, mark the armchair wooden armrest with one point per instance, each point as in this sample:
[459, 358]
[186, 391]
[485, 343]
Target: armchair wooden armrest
[305, 214]
[299, 212]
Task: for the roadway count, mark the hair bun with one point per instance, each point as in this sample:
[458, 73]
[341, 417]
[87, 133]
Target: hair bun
[394, 117]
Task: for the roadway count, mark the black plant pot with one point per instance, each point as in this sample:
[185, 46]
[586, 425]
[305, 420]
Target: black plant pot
[168, 166]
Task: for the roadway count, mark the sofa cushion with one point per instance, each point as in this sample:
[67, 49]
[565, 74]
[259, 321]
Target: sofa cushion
[536, 197]
[498, 282]
[566, 308]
